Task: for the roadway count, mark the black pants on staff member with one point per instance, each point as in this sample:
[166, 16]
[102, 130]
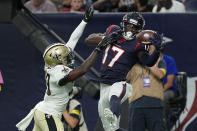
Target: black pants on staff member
[146, 113]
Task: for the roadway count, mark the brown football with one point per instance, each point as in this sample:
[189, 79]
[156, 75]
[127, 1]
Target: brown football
[145, 36]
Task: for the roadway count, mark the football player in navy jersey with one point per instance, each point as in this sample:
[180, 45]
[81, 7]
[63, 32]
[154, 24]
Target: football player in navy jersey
[118, 59]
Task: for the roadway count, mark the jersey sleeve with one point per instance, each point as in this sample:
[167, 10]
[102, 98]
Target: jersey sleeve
[76, 112]
[76, 35]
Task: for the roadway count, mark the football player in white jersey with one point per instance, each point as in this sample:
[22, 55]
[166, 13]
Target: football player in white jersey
[59, 76]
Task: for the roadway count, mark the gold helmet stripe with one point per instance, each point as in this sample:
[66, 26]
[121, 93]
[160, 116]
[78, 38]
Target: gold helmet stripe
[51, 46]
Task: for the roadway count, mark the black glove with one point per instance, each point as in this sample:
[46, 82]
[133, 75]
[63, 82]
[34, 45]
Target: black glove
[104, 43]
[88, 13]
[158, 41]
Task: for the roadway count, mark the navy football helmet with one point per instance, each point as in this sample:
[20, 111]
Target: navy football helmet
[132, 23]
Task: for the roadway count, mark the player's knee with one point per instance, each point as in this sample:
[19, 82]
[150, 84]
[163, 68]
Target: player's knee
[115, 105]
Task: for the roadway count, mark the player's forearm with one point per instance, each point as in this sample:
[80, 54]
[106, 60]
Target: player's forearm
[94, 39]
[85, 66]
[82, 69]
[77, 33]
[72, 122]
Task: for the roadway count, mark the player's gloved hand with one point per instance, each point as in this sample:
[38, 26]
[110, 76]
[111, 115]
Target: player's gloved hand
[158, 41]
[104, 43]
[88, 13]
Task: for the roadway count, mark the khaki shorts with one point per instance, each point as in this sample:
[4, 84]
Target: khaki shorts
[45, 122]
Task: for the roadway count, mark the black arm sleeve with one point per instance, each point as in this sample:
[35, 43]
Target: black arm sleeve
[149, 60]
[64, 80]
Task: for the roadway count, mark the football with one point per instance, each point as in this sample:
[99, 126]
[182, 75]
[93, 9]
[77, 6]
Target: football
[145, 36]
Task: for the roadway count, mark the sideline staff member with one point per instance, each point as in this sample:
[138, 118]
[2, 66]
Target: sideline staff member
[73, 114]
[145, 104]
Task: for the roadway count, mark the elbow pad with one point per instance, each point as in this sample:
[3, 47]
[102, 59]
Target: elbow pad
[149, 60]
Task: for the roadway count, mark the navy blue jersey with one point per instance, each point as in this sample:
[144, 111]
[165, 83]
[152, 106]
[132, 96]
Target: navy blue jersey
[117, 60]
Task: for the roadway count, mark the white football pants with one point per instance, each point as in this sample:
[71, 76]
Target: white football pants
[106, 91]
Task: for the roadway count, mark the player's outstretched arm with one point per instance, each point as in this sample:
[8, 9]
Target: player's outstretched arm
[94, 39]
[80, 28]
[85, 66]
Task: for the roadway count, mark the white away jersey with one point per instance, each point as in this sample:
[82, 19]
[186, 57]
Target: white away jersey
[55, 103]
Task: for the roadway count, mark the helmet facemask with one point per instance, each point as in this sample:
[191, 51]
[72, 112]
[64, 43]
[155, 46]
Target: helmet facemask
[70, 59]
[129, 30]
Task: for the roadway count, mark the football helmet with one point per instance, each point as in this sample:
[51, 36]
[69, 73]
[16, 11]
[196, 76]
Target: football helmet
[132, 23]
[58, 54]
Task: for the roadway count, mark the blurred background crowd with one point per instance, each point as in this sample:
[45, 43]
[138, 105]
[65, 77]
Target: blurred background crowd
[161, 6]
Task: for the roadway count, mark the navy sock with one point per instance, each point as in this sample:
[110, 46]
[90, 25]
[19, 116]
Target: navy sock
[115, 105]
